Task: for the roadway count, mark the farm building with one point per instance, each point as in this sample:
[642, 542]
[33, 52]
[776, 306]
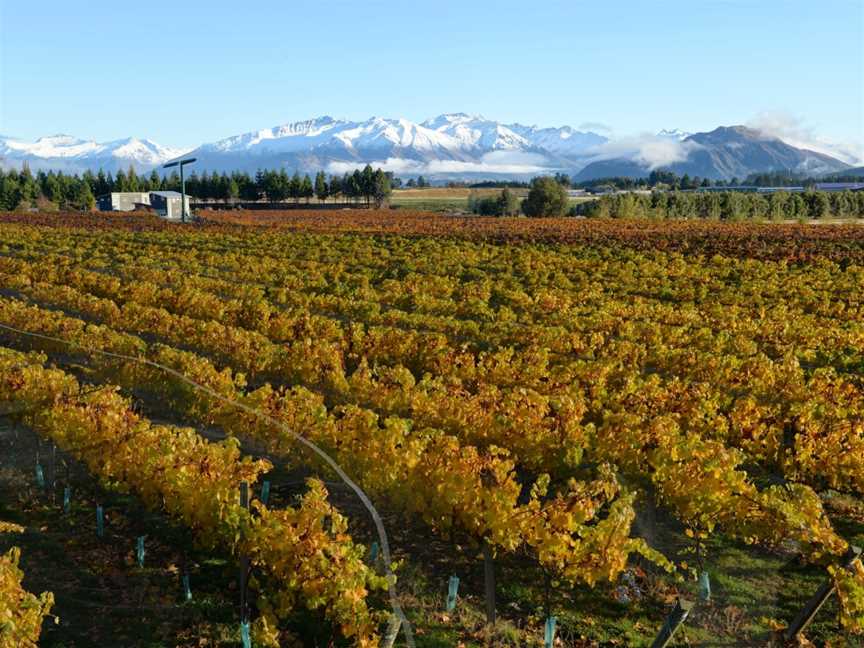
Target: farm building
[168, 204]
[165, 203]
[840, 186]
[122, 200]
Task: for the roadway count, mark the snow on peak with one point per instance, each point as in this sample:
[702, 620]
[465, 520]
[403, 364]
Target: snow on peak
[563, 140]
[73, 154]
[674, 133]
[143, 151]
[452, 119]
[475, 132]
[59, 140]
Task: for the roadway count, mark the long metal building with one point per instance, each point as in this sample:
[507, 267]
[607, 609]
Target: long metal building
[165, 203]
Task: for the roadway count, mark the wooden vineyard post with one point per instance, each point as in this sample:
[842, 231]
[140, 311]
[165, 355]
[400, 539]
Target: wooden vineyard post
[674, 621]
[489, 580]
[811, 608]
[244, 567]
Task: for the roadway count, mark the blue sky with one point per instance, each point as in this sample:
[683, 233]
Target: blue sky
[185, 72]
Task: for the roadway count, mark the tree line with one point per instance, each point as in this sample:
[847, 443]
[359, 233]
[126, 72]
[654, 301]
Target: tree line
[57, 190]
[45, 190]
[726, 205]
[368, 185]
[670, 180]
[547, 197]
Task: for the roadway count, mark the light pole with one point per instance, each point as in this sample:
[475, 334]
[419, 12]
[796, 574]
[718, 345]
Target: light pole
[181, 164]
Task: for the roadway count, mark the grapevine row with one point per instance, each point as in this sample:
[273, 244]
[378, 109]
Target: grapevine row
[196, 481]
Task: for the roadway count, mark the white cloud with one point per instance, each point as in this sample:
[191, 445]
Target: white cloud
[649, 149]
[795, 131]
[509, 162]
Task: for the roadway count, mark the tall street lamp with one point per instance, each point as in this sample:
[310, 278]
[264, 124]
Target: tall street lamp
[181, 164]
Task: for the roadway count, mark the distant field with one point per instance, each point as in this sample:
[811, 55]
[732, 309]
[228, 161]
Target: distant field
[445, 198]
[441, 198]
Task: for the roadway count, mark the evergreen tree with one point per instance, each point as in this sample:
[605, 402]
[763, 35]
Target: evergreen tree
[322, 191]
[28, 188]
[10, 192]
[249, 189]
[132, 179]
[155, 181]
[101, 187]
[53, 190]
[335, 186]
[367, 183]
[294, 186]
[355, 185]
[121, 184]
[90, 179]
[82, 198]
[306, 190]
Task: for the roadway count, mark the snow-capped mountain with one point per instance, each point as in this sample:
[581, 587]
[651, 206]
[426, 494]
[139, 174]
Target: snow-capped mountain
[449, 146]
[475, 132]
[724, 153]
[67, 153]
[563, 141]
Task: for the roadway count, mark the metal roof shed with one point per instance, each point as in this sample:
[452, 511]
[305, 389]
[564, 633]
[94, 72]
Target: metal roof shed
[168, 204]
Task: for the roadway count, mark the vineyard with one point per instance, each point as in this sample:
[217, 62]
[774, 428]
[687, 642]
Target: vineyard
[566, 429]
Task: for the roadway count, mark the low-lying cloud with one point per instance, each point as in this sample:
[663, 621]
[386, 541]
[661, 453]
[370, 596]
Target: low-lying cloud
[495, 162]
[648, 149]
[795, 131]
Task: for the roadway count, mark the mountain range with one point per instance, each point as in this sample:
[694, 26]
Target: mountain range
[447, 147]
[73, 155]
[726, 152]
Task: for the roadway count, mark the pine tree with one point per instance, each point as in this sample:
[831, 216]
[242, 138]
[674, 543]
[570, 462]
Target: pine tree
[120, 182]
[29, 191]
[295, 186]
[306, 190]
[322, 191]
[90, 179]
[335, 186]
[10, 192]
[102, 187]
[132, 180]
[367, 183]
[82, 198]
[356, 183]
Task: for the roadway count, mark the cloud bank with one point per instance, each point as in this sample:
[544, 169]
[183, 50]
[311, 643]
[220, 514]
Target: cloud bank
[793, 130]
[651, 150]
[495, 162]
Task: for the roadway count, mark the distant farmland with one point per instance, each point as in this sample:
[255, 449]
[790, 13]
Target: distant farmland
[446, 198]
